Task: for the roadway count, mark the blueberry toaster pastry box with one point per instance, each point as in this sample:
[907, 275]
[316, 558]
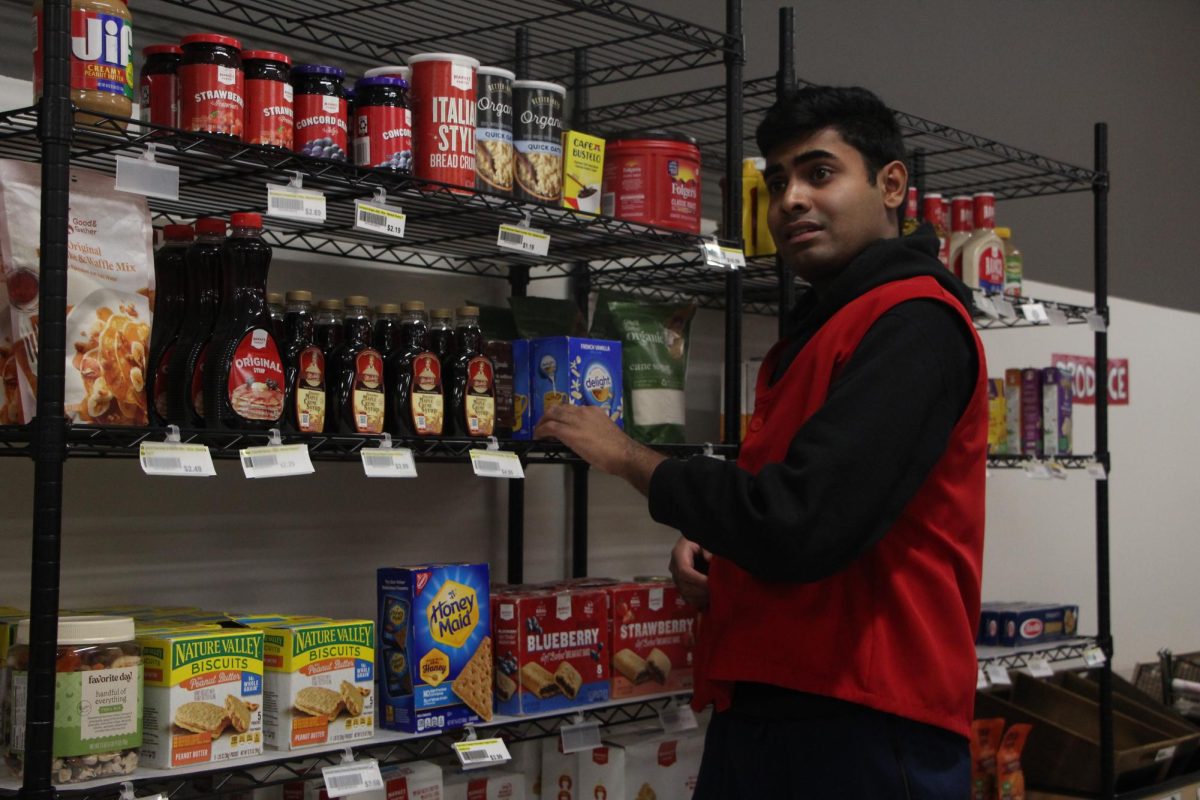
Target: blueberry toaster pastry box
[435, 647]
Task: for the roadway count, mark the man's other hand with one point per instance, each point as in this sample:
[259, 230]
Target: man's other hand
[687, 561]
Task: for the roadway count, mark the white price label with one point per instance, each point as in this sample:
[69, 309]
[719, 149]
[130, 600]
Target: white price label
[147, 177]
[167, 458]
[1097, 470]
[378, 218]
[721, 257]
[981, 681]
[985, 304]
[387, 462]
[481, 753]
[998, 675]
[580, 737]
[1039, 667]
[342, 780]
[277, 461]
[1038, 470]
[496, 464]
[677, 718]
[524, 240]
[1004, 308]
[1094, 657]
[1035, 313]
[292, 203]
[1096, 322]
[734, 257]
[1165, 754]
[1057, 316]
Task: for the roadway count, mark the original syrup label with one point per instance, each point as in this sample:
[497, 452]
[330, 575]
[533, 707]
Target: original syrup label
[368, 392]
[321, 126]
[101, 53]
[270, 118]
[160, 100]
[426, 395]
[256, 377]
[198, 383]
[310, 391]
[213, 99]
[480, 397]
[383, 137]
[160, 382]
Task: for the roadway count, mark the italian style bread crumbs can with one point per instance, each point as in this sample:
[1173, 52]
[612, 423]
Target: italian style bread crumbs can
[494, 130]
[653, 177]
[443, 103]
[537, 139]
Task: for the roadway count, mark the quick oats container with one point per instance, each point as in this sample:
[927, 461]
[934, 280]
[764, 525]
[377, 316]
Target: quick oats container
[97, 698]
[443, 103]
[537, 139]
[494, 130]
[653, 177]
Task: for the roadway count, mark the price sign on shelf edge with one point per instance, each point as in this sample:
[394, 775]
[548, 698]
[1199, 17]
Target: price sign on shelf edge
[289, 202]
[477, 753]
[388, 462]
[276, 461]
[355, 777]
[496, 464]
[524, 240]
[171, 458]
[379, 218]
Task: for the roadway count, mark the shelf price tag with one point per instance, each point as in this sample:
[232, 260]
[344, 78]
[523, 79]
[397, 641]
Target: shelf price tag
[981, 681]
[1096, 322]
[276, 461]
[167, 458]
[581, 736]
[496, 464]
[1097, 470]
[1094, 656]
[1038, 470]
[1035, 313]
[734, 257]
[529, 241]
[1039, 667]
[145, 176]
[720, 257]
[387, 462]
[1004, 308]
[1056, 316]
[355, 777]
[476, 753]
[377, 217]
[998, 675]
[985, 304]
[677, 718]
[293, 202]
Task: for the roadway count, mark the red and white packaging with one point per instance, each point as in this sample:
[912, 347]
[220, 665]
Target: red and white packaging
[382, 136]
[321, 127]
[270, 111]
[486, 785]
[443, 103]
[527, 761]
[212, 96]
[935, 215]
[416, 780]
[642, 765]
[160, 91]
[653, 634]
[560, 772]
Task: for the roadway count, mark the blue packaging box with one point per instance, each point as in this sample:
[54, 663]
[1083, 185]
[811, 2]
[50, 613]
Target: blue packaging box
[435, 649]
[578, 372]
[522, 410]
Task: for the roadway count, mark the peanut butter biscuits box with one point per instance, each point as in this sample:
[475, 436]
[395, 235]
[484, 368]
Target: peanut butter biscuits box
[652, 639]
[552, 649]
[319, 682]
[203, 695]
[435, 646]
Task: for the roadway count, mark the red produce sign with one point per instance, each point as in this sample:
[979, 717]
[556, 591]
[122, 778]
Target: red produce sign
[1083, 378]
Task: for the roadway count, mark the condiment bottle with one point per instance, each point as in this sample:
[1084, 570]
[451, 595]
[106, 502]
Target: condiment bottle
[243, 373]
[501, 354]
[935, 215]
[160, 84]
[304, 401]
[472, 390]
[910, 222]
[441, 334]
[416, 403]
[185, 372]
[170, 303]
[983, 253]
[329, 336]
[276, 309]
[960, 231]
[360, 391]
[1014, 264]
[386, 334]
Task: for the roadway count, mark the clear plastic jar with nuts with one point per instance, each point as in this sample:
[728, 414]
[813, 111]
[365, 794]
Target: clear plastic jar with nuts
[98, 699]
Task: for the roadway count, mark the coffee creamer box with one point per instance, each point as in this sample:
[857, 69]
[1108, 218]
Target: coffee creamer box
[319, 683]
[435, 653]
[552, 650]
[579, 372]
[652, 639]
[203, 696]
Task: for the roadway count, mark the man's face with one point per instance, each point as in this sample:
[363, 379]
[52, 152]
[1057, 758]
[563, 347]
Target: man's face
[825, 208]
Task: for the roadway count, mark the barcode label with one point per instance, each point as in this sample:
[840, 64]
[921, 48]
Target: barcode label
[164, 463]
[343, 781]
[371, 218]
[362, 150]
[293, 203]
[526, 240]
[509, 236]
[476, 755]
[286, 204]
[488, 466]
[481, 753]
[386, 462]
[608, 204]
[496, 464]
[276, 462]
[355, 777]
[379, 218]
[171, 458]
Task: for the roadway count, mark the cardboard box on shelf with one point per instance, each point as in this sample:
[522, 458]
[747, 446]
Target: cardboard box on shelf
[641, 765]
[484, 785]
[560, 772]
[652, 639]
[569, 370]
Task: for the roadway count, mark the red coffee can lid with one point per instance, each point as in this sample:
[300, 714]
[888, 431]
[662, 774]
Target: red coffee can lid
[246, 219]
[210, 225]
[266, 55]
[161, 49]
[211, 38]
[178, 233]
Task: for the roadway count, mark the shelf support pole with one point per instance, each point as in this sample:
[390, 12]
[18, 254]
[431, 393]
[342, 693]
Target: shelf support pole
[731, 225]
[785, 83]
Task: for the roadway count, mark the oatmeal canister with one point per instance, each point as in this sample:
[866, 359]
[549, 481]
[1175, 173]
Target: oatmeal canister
[321, 111]
[383, 123]
[97, 698]
[270, 118]
[101, 58]
[653, 177]
[493, 130]
[537, 137]
[443, 103]
[212, 85]
[160, 84]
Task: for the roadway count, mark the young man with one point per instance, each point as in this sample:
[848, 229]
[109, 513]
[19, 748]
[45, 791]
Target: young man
[837, 563]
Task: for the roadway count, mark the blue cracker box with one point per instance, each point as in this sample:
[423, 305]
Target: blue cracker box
[435, 649]
[522, 410]
[989, 623]
[578, 372]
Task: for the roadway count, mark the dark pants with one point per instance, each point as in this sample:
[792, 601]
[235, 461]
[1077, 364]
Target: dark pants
[864, 755]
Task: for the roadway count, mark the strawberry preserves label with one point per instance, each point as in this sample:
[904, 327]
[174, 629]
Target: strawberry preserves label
[160, 100]
[256, 378]
[213, 99]
[383, 137]
[426, 395]
[368, 396]
[270, 117]
[480, 400]
[320, 126]
[310, 391]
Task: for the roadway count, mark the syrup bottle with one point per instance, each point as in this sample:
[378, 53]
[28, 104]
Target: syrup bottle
[329, 336]
[472, 384]
[361, 397]
[304, 399]
[416, 397]
[275, 304]
[385, 336]
[170, 286]
[243, 371]
[185, 371]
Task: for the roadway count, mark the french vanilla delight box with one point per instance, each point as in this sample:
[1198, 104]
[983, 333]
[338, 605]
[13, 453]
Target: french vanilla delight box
[653, 632]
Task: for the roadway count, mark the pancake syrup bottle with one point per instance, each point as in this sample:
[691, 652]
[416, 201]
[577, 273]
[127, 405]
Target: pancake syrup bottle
[361, 396]
[243, 374]
[472, 377]
[416, 401]
[185, 371]
[304, 398]
[170, 284]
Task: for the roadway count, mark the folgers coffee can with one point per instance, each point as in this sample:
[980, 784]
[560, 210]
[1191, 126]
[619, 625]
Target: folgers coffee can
[270, 116]
[494, 130]
[653, 178]
[443, 102]
[382, 123]
[321, 114]
[537, 139]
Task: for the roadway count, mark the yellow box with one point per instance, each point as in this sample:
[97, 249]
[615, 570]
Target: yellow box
[583, 171]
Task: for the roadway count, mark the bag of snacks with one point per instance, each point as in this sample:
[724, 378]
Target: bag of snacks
[110, 288]
[985, 738]
[1010, 779]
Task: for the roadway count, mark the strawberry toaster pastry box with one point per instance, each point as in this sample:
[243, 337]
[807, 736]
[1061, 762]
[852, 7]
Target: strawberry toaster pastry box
[653, 632]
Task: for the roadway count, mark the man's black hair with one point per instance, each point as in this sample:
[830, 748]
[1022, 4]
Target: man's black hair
[856, 113]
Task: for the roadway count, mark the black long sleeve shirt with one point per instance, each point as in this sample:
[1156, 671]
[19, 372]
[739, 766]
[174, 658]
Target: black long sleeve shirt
[857, 462]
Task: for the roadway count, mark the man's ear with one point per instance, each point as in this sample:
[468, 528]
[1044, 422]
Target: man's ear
[893, 181]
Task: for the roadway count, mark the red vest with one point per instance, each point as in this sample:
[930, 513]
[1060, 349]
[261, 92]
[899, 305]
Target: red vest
[895, 630]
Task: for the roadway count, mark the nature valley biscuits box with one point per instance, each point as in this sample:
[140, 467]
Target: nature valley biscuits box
[319, 682]
[652, 639]
[552, 649]
[203, 695]
[435, 653]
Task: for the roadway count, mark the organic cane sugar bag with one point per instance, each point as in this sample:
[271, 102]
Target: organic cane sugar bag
[110, 289]
[654, 342]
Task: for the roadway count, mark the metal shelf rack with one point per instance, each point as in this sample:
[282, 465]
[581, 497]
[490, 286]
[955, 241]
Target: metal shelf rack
[1068, 650]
